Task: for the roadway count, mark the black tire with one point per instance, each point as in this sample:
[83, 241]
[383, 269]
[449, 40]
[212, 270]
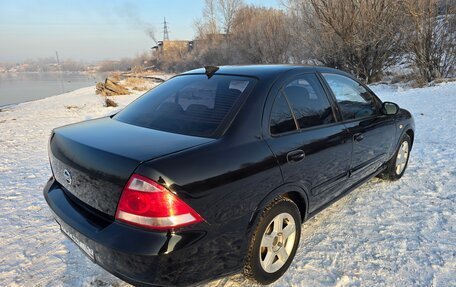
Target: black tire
[390, 172]
[253, 269]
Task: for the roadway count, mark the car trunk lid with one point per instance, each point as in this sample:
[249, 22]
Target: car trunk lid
[93, 160]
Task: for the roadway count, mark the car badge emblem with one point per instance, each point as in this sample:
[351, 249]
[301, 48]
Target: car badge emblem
[67, 176]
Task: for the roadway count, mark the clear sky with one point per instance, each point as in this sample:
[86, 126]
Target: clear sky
[93, 29]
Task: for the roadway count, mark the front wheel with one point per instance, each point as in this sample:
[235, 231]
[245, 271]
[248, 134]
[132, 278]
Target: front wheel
[398, 163]
[274, 242]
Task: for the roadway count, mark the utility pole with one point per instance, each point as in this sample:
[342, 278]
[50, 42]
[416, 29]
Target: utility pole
[165, 30]
[60, 72]
[57, 56]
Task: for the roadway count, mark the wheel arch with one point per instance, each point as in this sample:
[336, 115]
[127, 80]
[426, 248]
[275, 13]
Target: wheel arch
[299, 200]
[407, 130]
[411, 134]
[291, 191]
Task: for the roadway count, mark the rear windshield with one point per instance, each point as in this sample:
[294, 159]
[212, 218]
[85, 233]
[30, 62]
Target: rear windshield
[188, 104]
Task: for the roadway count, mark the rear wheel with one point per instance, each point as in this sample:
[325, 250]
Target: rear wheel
[274, 242]
[398, 163]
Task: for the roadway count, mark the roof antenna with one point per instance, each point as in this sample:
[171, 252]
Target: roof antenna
[210, 70]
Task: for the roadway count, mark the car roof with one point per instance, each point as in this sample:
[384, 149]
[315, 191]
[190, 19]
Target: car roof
[261, 71]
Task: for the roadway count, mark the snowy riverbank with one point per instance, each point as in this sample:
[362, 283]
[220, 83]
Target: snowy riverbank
[388, 234]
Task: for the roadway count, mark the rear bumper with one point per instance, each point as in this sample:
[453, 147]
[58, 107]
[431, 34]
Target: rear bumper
[141, 257]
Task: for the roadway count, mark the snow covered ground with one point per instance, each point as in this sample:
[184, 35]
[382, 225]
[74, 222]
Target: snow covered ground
[382, 234]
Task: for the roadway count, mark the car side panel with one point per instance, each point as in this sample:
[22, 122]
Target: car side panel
[324, 169]
[220, 181]
[369, 153]
[404, 123]
[224, 182]
[372, 137]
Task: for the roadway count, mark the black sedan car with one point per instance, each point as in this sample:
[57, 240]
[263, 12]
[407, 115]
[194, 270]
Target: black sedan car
[213, 171]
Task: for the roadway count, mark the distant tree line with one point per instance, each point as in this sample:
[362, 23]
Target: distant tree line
[48, 64]
[363, 37]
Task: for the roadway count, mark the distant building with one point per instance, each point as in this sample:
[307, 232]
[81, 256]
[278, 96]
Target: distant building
[208, 40]
[173, 46]
[185, 46]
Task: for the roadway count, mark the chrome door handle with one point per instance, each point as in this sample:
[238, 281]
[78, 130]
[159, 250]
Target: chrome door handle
[295, 155]
[358, 137]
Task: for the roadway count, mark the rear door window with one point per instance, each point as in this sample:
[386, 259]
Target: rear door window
[309, 102]
[188, 104]
[282, 120]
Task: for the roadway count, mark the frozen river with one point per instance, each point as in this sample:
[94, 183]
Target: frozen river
[23, 87]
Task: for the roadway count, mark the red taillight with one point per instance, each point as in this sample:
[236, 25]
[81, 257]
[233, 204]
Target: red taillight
[148, 204]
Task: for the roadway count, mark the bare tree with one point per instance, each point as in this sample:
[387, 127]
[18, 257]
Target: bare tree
[228, 10]
[261, 35]
[211, 46]
[433, 37]
[361, 36]
[304, 32]
[210, 17]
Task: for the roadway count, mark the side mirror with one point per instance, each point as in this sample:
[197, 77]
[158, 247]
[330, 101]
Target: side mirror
[389, 108]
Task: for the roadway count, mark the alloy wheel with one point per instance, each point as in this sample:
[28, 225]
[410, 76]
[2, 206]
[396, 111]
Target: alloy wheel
[402, 156]
[277, 242]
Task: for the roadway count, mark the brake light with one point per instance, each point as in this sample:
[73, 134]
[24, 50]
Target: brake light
[148, 204]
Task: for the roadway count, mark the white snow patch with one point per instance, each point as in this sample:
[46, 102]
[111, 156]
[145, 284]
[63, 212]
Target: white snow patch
[382, 234]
